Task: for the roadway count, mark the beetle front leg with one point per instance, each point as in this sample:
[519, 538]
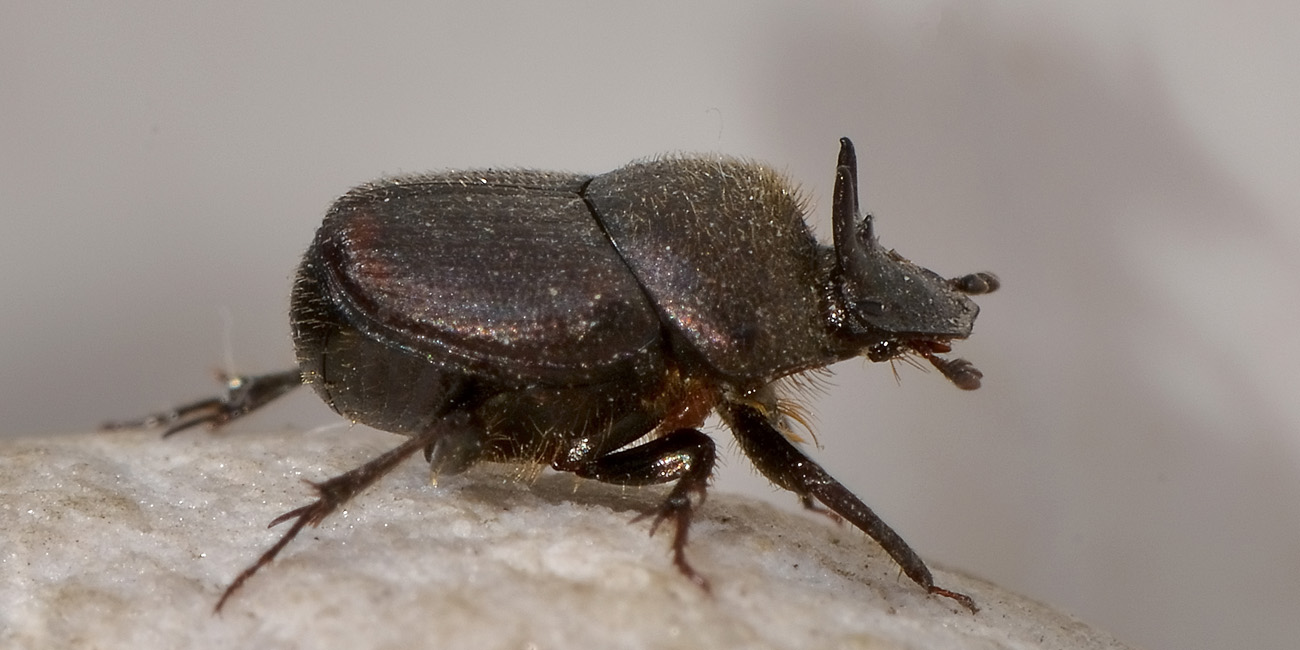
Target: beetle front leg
[684, 455]
[783, 464]
[244, 394]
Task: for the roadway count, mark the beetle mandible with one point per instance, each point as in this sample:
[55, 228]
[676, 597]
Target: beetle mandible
[556, 319]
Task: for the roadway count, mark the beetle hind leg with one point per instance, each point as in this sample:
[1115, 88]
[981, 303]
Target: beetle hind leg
[244, 394]
[340, 489]
[685, 455]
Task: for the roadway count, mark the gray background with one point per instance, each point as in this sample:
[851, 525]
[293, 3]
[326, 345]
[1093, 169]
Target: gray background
[1129, 170]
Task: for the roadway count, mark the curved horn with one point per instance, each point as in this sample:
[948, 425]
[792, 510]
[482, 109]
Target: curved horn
[853, 234]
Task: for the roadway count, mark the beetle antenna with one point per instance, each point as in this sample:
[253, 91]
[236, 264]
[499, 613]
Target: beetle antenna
[960, 372]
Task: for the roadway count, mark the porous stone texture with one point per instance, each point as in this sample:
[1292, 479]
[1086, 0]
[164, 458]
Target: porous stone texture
[123, 540]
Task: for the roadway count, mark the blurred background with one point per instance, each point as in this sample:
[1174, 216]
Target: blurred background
[1129, 169]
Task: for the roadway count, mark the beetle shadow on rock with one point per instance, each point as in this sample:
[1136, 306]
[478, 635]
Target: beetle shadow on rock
[500, 484]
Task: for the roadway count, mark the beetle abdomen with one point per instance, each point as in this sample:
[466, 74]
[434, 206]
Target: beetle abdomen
[364, 379]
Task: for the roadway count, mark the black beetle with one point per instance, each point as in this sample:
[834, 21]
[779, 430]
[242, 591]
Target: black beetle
[556, 319]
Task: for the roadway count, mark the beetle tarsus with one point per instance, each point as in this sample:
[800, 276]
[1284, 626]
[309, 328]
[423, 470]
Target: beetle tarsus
[244, 394]
[678, 506]
[962, 599]
[684, 455]
[177, 419]
[965, 601]
[264, 559]
[333, 493]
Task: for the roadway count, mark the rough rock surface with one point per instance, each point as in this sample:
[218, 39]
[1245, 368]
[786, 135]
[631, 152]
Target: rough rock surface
[123, 540]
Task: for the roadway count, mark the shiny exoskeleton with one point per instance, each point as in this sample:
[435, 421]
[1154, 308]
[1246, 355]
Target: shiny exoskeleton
[552, 318]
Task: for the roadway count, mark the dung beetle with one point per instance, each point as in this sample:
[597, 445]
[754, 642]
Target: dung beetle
[561, 319]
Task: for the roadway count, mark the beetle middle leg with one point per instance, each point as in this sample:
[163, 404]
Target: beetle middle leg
[783, 464]
[684, 455]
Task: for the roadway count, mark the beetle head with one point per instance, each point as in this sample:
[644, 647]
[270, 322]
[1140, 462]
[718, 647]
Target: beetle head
[893, 304]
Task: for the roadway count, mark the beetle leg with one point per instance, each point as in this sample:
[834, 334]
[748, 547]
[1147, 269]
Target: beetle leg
[783, 464]
[453, 452]
[244, 394]
[338, 490]
[684, 455]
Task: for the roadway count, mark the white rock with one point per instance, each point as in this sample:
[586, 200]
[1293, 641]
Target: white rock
[123, 540]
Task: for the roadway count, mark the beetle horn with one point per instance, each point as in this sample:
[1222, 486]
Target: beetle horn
[854, 234]
[881, 291]
[849, 158]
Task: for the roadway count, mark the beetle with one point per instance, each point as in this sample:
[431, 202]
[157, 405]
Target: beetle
[592, 323]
